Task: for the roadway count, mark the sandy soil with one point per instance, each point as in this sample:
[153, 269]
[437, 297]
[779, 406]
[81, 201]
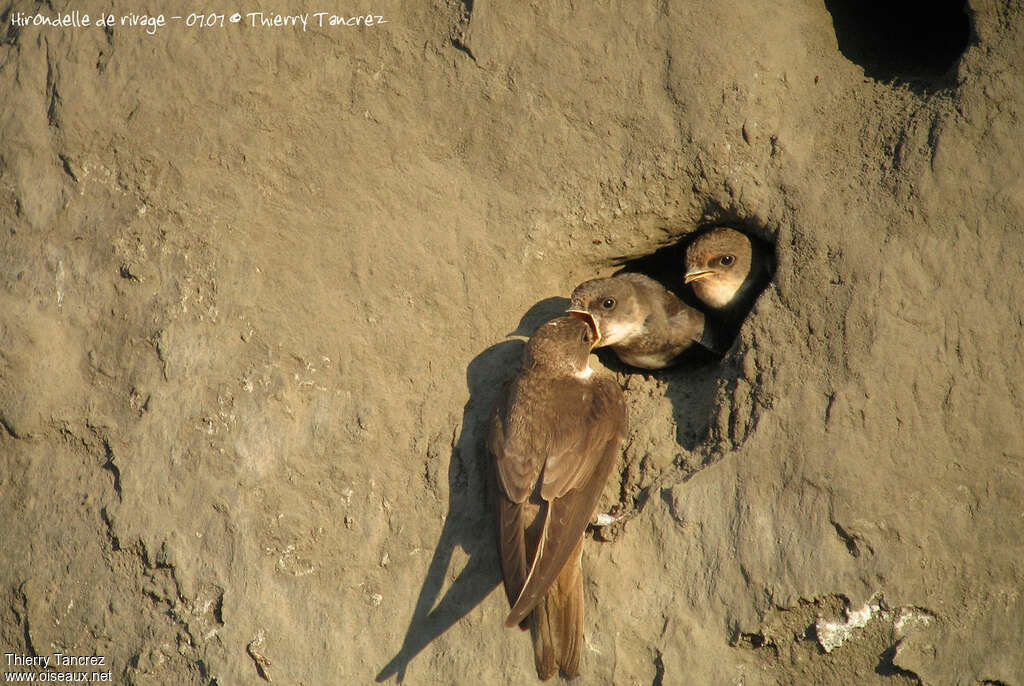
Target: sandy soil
[259, 286]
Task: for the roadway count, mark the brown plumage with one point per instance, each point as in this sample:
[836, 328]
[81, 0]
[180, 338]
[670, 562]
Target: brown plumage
[643, 322]
[720, 265]
[554, 439]
[727, 270]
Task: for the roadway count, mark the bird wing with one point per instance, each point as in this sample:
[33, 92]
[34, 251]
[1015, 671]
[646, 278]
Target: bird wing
[513, 517]
[589, 419]
[518, 439]
[685, 323]
[588, 433]
[686, 326]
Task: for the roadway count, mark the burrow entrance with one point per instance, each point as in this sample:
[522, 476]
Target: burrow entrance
[668, 266]
[913, 41]
[693, 382]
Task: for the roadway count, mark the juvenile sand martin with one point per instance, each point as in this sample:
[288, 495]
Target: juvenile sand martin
[554, 438]
[643, 322]
[726, 270]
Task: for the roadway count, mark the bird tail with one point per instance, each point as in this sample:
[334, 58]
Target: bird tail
[557, 625]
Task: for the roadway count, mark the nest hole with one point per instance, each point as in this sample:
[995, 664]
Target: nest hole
[667, 265]
[912, 41]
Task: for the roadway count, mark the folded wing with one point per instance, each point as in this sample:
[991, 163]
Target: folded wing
[552, 477]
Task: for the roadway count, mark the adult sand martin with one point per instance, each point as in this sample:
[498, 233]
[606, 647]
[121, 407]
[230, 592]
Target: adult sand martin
[554, 438]
[643, 322]
[727, 270]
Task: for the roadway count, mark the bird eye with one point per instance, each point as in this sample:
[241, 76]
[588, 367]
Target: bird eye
[727, 260]
[608, 303]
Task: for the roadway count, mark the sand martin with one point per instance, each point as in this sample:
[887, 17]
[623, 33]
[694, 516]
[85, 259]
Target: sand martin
[554, 438]
[727, 270]
[643, 322]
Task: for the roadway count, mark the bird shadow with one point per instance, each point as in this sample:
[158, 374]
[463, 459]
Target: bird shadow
[470, 523]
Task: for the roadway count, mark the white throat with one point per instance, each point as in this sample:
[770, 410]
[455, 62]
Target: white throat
[586, 373]
[716, 292]
[617, 332]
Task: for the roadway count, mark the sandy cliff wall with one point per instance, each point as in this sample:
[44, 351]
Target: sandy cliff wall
[256, 291]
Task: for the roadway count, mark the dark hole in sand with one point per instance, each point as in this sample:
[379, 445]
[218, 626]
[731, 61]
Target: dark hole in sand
[691, 383]
[913, 41]
[668, 265]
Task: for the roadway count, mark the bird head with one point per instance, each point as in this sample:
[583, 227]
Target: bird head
[717, 264]
[563, 344]
[612, 305]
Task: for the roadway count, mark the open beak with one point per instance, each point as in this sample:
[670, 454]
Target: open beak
[695, 274]
[589, 318]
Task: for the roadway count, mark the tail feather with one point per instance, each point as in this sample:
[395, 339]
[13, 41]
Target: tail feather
[570, 639]
[543, 640]
[557, 622]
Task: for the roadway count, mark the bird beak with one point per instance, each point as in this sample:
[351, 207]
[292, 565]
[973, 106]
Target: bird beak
[695, 274]
[589, 318]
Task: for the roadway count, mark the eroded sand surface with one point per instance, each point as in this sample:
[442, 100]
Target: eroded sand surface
[257, 286]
